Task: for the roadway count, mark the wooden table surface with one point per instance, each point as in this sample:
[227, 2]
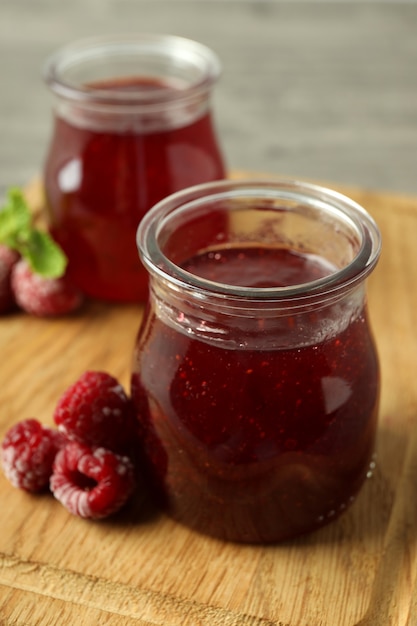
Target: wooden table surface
[142, 568]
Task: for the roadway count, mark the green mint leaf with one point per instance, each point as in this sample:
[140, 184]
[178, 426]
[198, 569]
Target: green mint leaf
[15, 218]
[44, 256]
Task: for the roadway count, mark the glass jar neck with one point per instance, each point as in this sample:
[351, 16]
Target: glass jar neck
[239, 324]
[122, 118]
[334, 245]
[148, 82]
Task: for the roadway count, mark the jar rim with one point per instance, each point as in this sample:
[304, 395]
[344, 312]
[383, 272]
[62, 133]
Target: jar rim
[361, 265]
[95, 48]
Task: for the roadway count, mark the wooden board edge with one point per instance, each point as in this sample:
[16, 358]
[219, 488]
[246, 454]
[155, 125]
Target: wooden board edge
[90, 592]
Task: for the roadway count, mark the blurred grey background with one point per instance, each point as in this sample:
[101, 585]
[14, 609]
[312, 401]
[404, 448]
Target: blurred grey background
[322, 90]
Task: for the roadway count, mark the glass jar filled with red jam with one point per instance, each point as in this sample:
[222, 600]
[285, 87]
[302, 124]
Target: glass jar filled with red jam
[133, 124]
[255, 373]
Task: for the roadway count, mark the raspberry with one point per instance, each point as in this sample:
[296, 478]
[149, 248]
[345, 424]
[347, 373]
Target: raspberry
[96, 411]
[43, 296]
[8, 258]
[28, 452]
[91, 483]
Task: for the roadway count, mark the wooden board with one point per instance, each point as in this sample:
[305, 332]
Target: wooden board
[141, 568]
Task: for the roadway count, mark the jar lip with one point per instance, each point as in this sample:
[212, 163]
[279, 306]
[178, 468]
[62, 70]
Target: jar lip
[115, 46]
[354, 272]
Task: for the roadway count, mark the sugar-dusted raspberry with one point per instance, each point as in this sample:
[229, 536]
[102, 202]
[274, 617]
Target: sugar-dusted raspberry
[27, 454]
[91, 483]
[44, 297]
[8, 258]
[95, 410]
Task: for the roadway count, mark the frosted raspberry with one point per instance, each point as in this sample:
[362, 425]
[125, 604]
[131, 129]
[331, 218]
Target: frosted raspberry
[96, 411]
[91, 483]
[28, 452]
[41, 296]
[8, 258]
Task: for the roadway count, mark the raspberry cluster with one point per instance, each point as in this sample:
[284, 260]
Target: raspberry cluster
[21, 287]
[85, 461]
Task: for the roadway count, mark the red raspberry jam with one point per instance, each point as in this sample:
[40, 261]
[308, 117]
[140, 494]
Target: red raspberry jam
[119, 146]
[257, 425]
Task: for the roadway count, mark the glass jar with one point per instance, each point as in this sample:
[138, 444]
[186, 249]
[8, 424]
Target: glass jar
[133, 124]
[255, 375]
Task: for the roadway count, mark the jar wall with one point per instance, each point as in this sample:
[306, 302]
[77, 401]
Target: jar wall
[256, 445]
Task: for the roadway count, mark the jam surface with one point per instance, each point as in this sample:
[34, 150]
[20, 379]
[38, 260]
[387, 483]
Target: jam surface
[99, 183]
[256, 445]
[258, 267]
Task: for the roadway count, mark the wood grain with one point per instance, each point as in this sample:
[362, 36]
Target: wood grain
[141, 567]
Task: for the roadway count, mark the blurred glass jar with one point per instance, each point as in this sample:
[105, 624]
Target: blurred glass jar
[133, 124]
[255, 374]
